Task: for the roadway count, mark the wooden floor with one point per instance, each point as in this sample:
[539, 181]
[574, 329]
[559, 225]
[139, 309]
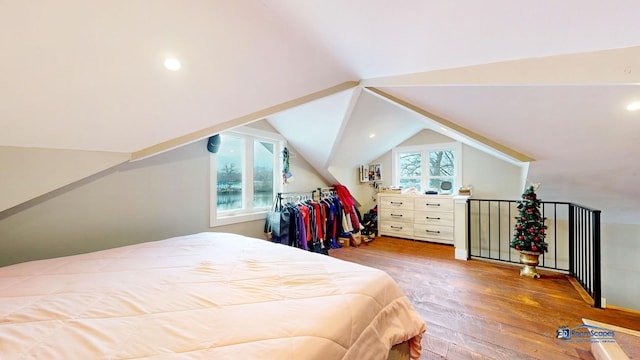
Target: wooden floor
[483, 310]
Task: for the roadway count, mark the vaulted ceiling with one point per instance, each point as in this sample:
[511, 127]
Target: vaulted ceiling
[546, 80]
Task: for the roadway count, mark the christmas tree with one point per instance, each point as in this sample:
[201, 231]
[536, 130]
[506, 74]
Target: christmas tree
[529, 231]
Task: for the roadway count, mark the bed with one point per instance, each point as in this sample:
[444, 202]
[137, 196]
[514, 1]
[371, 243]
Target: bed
[202, 296]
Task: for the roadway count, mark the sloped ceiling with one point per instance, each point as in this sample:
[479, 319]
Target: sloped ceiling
[89, 75]
[388, 124]
[313, 128]
[546, 79]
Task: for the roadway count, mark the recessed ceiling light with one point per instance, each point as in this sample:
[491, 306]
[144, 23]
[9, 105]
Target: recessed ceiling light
[172, 64]
[372, 136]
[634, 106]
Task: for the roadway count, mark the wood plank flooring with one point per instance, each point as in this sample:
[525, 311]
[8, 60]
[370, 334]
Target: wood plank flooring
[483, 310]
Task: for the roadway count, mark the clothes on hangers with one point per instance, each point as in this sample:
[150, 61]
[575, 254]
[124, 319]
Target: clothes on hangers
[316, 225]
[312, 225]
[349, 206]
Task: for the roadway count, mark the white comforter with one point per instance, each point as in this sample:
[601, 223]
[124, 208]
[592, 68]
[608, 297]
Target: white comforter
[204, 296]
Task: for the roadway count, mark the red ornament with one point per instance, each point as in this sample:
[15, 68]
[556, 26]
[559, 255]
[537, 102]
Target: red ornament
[529, 210]
[517, 247]
[519, 227]
[532, 230]
[534, 248]
[524, 218]
[541, 231]
[536, 239]
[520, 237]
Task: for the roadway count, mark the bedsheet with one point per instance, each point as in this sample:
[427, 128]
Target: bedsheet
[202, 296]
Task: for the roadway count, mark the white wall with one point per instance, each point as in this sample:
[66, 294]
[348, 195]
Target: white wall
[350, 179]
[368, 193]
[620, 266]
[305, 177]
[491, 177]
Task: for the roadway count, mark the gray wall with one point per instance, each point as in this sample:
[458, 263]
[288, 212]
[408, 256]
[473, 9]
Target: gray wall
[151, 199]
[163, 196]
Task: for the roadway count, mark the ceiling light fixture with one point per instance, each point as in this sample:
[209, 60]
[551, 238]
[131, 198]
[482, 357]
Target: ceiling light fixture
[634, 106]
[172, 64]
[372, 136]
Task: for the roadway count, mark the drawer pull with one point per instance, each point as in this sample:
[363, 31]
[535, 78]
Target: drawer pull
[429, 204]
[395, 203]
[396, 227]
[432, 218]
[396, 215]
[433, 231]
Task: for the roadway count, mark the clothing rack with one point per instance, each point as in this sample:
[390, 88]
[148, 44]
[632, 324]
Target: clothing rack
[326, 191]
[292, 194]
[304, 222]
[310, 223]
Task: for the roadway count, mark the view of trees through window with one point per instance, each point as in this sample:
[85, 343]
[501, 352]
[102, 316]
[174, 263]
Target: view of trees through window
[441, 167]
[244, 167]
[263, 174]
[411, 170]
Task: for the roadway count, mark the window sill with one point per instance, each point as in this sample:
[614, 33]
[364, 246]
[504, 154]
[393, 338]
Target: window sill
[236, 219]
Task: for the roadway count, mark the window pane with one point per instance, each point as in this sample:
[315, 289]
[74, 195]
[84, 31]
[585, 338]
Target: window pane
[407, 183]
[262, 174]
[441, 163]
[410, 164]
[229, 173]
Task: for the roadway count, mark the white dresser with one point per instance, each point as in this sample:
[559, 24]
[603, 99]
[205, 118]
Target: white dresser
[418, 217]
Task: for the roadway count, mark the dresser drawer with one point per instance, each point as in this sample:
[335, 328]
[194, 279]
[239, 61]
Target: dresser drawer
[417, 217]
[396, 215]
[433, 217]
[433, 203]
[396, 229]
[396, 202]
[433, 231]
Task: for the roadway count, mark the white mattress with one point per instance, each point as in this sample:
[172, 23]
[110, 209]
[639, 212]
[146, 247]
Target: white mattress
[203, 296]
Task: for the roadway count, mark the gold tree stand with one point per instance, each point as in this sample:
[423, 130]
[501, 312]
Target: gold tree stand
[530, 261]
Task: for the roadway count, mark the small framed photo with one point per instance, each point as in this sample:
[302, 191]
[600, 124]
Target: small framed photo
[374, 173]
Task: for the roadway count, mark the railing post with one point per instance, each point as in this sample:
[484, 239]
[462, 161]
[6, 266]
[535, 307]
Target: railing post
[572, 240]
[468, 229]
[597, 276]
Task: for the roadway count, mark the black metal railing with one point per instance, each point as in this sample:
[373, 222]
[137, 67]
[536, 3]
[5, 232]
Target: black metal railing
[573, 235]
